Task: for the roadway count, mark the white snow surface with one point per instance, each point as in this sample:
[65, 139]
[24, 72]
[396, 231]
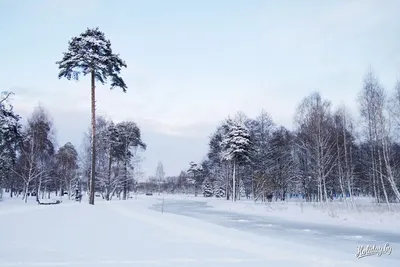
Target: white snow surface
[128, 233]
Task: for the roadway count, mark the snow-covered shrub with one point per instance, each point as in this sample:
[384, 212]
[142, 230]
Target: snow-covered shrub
[207, 188]
[219, 192]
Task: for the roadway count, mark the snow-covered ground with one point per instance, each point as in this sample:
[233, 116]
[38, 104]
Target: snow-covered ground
[137, 233]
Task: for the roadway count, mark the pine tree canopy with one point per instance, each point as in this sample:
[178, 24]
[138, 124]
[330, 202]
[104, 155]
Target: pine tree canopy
[236, 143]
[91, 51]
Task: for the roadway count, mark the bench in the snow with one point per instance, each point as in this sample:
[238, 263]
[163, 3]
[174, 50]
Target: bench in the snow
[49, 203]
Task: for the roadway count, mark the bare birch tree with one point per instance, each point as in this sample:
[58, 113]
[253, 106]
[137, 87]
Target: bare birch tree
[314, 126]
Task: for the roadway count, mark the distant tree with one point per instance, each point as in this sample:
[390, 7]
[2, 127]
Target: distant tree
[10, 136]
[41, 129]
[117, 160]
[91, 53]
[67, 165]
[219, 191]
[129, 137]
[27, 166]
[377, 124]
[314, 124]
[182, 181]
[282, 169]
[160, 174]
[196, 172]
[207, 188]
[236, 146]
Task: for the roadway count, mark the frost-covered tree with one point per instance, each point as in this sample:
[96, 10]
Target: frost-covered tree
[67, 165]
[117, 148]
[41, 129]
[282, 171]
[314, 124]
[260, 132]
[160, 175]
[129, 141]
[377, 128]
[196, 175]
[236, 146]
[91, 53]
[10, 135]
[207, 188]
[218, 168]
[219, 191]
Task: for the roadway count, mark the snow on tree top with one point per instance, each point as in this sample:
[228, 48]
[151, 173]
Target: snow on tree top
[91, 52]
[236, 142]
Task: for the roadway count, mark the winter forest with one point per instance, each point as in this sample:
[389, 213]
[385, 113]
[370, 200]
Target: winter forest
[329, 154]
[200, 133]
[33, 165]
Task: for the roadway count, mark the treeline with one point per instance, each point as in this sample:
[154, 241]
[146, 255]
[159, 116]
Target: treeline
[32, 163]
[329, 154]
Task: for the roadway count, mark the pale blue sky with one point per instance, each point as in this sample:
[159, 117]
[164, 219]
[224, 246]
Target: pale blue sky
[192, 63]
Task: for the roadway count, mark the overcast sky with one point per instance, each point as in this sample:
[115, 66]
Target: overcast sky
[192, 63]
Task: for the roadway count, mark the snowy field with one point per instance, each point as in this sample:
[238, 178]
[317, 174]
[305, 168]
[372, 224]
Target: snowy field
[189, 232]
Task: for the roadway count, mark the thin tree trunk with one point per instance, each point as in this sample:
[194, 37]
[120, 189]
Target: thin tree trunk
[12, 185]
[93, 167]
[125, 184]
[340, 172]
[44, 191]
[350, 179]
[38, 188]
[124, 194]
[390, 178]
[382, 182]
[348, 165]
[26, 192]
[234, 182]
[108, 187]
[376, 195]
[61, 190]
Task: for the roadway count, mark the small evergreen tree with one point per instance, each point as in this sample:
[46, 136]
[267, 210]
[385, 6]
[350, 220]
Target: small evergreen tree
[207, 188]
[219, 192]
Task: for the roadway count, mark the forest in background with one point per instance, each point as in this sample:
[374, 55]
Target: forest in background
[329, 154]
[31, 163]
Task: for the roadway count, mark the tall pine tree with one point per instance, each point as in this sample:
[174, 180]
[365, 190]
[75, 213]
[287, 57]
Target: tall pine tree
[91, 53]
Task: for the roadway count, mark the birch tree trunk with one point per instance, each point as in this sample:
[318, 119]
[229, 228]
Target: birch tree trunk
[381, 180]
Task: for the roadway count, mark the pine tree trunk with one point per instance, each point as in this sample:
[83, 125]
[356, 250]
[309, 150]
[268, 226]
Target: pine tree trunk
[93, 167]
